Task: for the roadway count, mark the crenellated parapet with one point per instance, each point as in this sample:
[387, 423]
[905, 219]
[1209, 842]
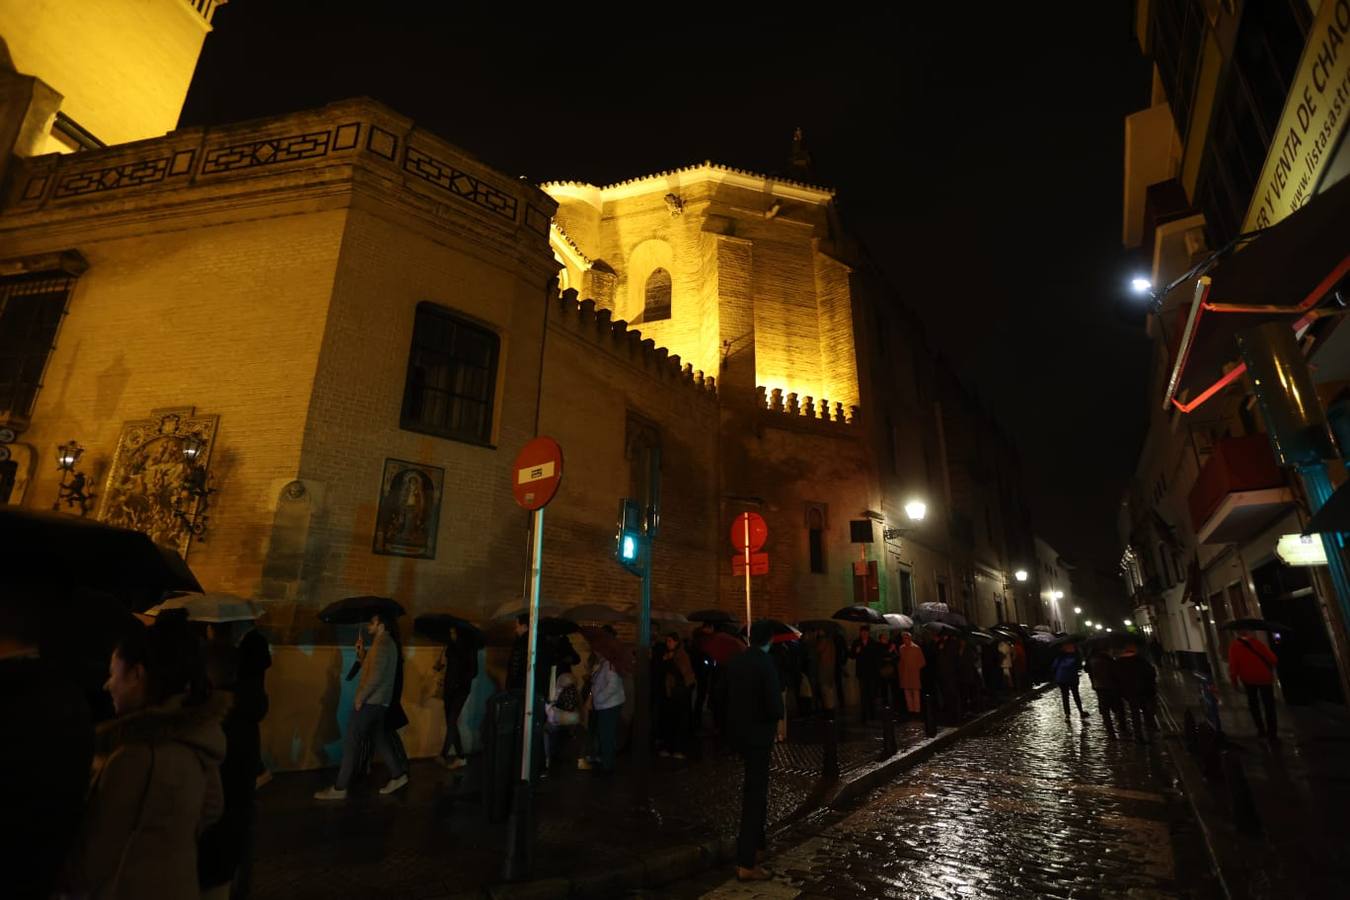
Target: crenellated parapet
[598, 326]
[790, 407]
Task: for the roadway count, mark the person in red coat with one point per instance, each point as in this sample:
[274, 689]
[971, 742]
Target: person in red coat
[1252, 663]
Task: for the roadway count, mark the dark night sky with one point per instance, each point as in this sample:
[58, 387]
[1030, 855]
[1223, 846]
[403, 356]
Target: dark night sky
[980, 159]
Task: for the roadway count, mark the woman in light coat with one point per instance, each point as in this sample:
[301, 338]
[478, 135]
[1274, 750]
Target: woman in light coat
[156, 781]
[911, 668]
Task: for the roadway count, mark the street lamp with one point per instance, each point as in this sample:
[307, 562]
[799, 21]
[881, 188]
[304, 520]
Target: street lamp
[1078, 610]
[1141, 285]
[1056, 595]
[71, 489]
[916, 510]
[193, 498]
[1020, 574]
[1106, 629]
[1128, 623]
[1099, 626]
[1087, 622]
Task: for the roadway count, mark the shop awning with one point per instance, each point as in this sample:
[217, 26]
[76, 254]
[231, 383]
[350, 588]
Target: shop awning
[1287, 272]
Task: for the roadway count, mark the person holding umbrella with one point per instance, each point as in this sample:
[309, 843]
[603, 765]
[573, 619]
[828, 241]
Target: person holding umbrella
[754, 706]
[1251, 665]
[459, 667]
[1065, 670]
[374, 693]
[677, 683]
[911, 672]
[866, 655]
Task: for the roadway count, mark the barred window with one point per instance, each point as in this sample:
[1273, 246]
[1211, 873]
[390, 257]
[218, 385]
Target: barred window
[656, 297]
[31, 307]
[452, 377]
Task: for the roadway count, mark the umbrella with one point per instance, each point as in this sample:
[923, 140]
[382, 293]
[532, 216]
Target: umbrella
[1253, 625]
[514, 607]
[213, 608]
[1069, 639]
[597, 612]
[898, 621]
[781, 632]
[1112, 639]
[669, 617]
[1043, 637]
[940, 628]
[59, 551]
[437, 627]
[829, 625]
[939, 612]
[980, 637]
[355, 610]
[619, 654]
[500, 632]
[863, 614]
[710, 615]
[719, 646]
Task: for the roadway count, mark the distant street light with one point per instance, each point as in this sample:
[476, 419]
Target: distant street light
[1078, 610]
[1087, 622]
[1106, 629]
[1128, 623]
[916, 510]
[1141, 285]
[1099, 626]
[1056, 595]
[1020, 574]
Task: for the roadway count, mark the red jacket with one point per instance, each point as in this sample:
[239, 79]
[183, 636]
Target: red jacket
[1251, 662]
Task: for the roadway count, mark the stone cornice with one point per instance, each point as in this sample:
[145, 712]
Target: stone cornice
[298, 156]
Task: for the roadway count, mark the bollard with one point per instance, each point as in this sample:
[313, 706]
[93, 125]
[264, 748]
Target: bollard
[830, 767]
[887, 734]
[929, 717]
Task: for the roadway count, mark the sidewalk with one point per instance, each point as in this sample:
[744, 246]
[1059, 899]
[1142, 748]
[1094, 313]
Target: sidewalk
[593, 839]
[1301, 789]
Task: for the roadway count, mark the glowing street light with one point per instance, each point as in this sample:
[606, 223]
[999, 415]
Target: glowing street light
[1099, 626]
[1140, 284]
[1078, 610]
[1128, 623]
[916, 510]
[1087, 622]
[1106, 629]
[1056, 595]
[1020, 574]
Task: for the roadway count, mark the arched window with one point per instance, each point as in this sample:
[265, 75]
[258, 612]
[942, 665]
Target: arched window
[656, 297]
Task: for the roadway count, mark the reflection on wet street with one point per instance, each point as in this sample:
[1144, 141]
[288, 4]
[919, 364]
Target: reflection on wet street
[1036, 806]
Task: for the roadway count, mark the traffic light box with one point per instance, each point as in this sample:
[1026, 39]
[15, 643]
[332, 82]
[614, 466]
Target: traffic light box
[628, 539]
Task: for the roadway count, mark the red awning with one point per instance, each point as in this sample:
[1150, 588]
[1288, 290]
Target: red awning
[1285, 273]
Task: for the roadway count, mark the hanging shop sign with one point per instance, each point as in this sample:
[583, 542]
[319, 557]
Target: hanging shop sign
[1313, 120]
[1301, 550]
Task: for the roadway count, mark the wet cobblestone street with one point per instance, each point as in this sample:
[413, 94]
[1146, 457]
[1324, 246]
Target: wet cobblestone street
[1032, 807]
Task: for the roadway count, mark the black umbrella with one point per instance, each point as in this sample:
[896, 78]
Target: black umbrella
[829, 625]
[437, 627]
[710, 615]
[355, 610]
[940, 628]
[1069, 639]
[865, 615]
[1253, 625]
[598, 612]
[980, 637]
[64, 552]
[1113, 639]
[781, 632]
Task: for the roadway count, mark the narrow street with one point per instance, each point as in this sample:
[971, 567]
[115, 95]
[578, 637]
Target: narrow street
[1034, 807]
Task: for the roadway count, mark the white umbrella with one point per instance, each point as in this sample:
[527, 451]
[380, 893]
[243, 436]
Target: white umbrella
[214, 608]
[898, 621]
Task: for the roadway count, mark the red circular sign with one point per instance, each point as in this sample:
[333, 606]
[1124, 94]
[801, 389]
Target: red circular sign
[759, 532]
[537, 472]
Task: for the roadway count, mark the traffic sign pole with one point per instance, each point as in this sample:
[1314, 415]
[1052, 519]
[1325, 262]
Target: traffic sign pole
[533, 647]
[745, 518]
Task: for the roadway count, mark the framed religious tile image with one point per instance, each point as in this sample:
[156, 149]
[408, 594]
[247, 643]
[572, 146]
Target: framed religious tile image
[410, 509]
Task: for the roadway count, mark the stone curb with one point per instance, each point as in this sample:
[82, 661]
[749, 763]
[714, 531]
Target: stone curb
[873, 778]
[684, 860]
[1225, 863]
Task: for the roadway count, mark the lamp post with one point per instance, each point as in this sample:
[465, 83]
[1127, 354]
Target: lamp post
[194, 494]
[71, 491]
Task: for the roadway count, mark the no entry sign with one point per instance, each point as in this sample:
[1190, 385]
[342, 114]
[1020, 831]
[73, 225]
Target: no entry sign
[537, 473]
[759, 531]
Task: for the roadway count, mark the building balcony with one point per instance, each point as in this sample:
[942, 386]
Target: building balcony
[1239, 493]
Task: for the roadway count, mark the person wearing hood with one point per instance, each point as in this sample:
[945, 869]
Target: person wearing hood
[156, 782]
[1064, 671]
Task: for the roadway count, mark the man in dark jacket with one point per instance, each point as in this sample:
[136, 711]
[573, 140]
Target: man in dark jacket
[1102, 672]
[754, 706]
[867, 655]
[1134, 678]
